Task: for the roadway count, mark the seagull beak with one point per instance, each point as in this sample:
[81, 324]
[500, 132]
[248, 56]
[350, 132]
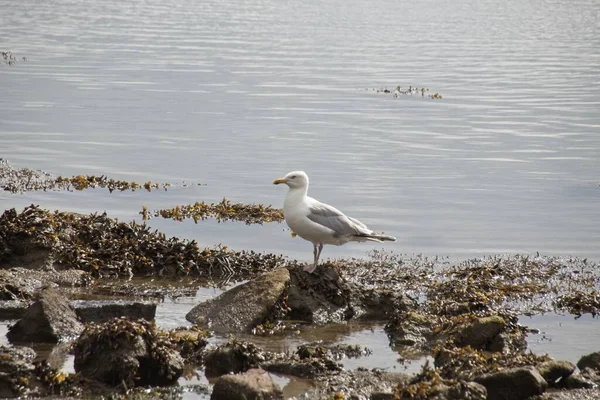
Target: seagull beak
[278, 181]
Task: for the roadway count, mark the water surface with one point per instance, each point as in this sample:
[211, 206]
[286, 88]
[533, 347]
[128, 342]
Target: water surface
[234, 94]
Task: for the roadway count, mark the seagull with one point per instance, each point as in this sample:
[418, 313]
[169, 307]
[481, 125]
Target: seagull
[318, 222]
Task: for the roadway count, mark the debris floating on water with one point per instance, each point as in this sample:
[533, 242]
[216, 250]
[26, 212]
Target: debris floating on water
[222, 211]
[20, 180]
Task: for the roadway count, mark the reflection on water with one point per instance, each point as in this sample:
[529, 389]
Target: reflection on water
[235, 93]
[562, 336]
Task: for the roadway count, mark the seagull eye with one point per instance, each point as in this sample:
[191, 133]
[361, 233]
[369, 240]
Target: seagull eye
[293, 177]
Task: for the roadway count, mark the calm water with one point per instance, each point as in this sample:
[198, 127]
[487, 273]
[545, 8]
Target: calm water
[234, 94]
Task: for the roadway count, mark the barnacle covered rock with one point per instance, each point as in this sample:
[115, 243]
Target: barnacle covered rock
[243, 307]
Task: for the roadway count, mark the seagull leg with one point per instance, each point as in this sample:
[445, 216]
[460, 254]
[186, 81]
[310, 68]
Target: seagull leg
[319, 252]
[311, 268]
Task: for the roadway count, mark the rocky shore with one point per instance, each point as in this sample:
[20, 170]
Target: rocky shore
[463, 317]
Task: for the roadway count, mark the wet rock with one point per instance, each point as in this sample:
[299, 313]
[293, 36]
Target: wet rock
[480, 334]
[253, 384]
[513, 384]
[462, 391]
[554, 372]
[133, 352]
[577, 381]
[591, 361]
[49, 319]
[102, 311]
[358, 384]
[19, 284]
[325, 297]
[190, 342]
[16, 368]
[12, 309]
[578, 394]
[233, 357]
[409, 329]
[306, 362]
[244, 306]
[23, 283]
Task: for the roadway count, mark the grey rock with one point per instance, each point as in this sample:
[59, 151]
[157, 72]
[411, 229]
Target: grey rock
[553, 371]
[513, 384]
[50, 319]
[254, 384]
[102, 311]
[244, 306]
[482, 332]
[591, 361]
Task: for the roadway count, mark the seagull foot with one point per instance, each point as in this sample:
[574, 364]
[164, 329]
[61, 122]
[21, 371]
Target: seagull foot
[310, 268]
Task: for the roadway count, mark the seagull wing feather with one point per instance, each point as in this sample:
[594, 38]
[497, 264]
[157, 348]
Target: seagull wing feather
[332, 218]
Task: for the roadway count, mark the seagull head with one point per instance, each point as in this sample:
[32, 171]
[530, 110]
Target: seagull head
[294, 179]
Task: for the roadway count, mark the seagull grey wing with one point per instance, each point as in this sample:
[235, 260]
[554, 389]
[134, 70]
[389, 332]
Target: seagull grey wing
[357, 222]
[332, 218]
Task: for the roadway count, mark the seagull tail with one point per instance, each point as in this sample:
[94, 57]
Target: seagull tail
[379, 238]
[385, 238]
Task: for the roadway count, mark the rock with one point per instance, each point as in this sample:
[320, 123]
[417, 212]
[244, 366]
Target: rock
[481, 333]
[553, 371]
[102, 311]
[319, 297]
[16, 368]
[49, 319]
[513, 384]
[23, 284]
[243, 307]
[358, 384]
[461, 391]
[232, 357]
[409, 329]
[12, 309]
[254, 384]
[325, 297]
[576, 381]
[190, 342]
[19, 284]
[131, 352]
[591, 361]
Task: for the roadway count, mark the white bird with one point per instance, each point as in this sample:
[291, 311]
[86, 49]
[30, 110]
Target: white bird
[318, 222]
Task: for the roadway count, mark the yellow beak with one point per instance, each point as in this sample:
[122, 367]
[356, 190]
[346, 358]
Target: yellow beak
[278, 181]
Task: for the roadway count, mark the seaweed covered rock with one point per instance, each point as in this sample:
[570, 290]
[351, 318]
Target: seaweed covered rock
[49, 319]
[233, 357]
[513, 384]
[253, 384]
[556, 372]
[481, 333]
[190, 342]
[16, 369]
[591, 361]
[238, 356]
[104, 246]
[410, 329]
[245, 306]
[133, 352]
[428, 384]
[326, 297]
